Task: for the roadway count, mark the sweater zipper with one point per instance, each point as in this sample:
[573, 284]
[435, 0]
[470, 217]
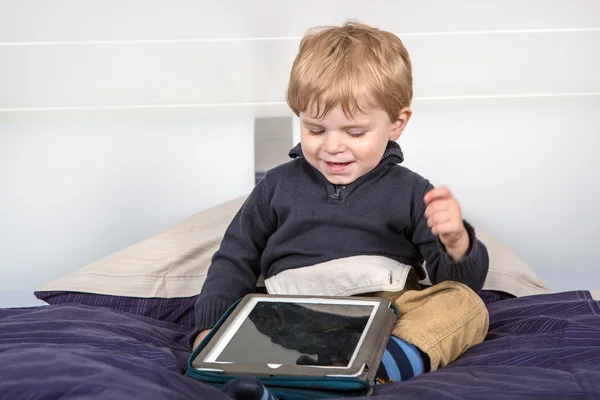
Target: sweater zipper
[337, 189]
[337, 192]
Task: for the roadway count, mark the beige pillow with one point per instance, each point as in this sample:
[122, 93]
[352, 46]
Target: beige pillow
[508, 273]
[174, 262]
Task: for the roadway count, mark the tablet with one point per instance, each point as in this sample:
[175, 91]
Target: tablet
[299, 336]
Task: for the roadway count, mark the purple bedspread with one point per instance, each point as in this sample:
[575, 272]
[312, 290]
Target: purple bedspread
[545, 346]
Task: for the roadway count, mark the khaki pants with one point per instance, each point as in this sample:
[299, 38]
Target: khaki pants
[443, 320]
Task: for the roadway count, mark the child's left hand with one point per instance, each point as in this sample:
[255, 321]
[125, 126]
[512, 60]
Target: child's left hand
[444, 217]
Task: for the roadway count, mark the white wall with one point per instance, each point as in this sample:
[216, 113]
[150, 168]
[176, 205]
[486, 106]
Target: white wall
[83, 83]
[68, 53]
[79, 186]
[525, 169]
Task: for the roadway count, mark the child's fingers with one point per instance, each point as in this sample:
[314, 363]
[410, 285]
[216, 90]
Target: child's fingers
[444, 228]
[438, 219]
[436, 194]
[436, 206]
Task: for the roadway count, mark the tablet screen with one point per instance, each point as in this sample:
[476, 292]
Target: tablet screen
[296, 333]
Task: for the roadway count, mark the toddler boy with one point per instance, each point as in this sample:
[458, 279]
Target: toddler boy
[344, 195]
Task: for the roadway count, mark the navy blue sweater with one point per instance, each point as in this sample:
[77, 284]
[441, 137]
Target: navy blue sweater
[294, 218]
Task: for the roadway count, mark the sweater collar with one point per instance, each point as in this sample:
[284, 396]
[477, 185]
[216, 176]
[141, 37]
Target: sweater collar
[392, 153]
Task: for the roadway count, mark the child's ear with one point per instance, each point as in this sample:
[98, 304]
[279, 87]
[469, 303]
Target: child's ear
[399, 125]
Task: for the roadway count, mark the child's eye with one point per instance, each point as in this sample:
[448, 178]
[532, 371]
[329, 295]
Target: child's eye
[356, 134]
[315, 132]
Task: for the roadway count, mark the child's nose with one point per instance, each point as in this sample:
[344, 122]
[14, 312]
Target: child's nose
[333, 143]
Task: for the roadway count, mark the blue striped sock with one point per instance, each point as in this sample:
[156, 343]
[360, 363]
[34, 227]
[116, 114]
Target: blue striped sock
[401, 361]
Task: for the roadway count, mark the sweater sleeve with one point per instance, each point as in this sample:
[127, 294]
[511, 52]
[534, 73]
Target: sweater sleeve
[235, 267]
[471, 270]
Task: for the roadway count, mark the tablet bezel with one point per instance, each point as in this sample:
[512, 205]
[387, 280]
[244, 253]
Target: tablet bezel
[373, 339]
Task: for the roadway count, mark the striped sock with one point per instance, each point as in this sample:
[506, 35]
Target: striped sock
[401, 361]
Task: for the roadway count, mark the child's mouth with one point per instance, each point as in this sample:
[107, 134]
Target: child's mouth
[336, 167]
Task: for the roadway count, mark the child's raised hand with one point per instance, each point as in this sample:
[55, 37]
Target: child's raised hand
[444, 217]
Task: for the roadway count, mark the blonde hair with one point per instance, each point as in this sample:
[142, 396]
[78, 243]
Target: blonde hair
[347, 65]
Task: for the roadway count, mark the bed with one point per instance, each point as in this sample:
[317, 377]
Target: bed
[119, 329]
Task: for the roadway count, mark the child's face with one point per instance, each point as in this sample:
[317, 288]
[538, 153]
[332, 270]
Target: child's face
[345, 149]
